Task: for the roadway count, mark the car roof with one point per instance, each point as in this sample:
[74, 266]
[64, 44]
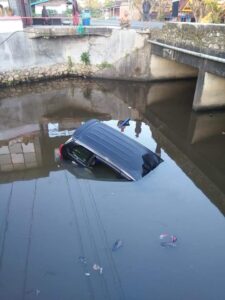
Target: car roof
[114, 147]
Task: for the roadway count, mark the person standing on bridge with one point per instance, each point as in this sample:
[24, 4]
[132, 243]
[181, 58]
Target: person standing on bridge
[75, 13]
[44, 15]
[146, 6]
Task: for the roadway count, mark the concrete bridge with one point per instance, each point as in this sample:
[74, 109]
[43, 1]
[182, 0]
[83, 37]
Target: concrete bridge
[187, 50]
[176, 51]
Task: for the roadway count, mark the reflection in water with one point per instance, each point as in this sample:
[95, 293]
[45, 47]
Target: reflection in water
[51, 218]
[137, 128]
[166, 107]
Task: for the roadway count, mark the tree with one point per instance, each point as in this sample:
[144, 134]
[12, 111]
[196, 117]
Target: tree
[210, 11]
[137, 4]
[199, 9]
[92, 4]
[215, 11]
[108, 3]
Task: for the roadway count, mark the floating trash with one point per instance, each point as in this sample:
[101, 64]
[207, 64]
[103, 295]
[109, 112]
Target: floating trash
[163, 235]
[169, 241]
[87, 274]
[117, 245]
[37, 292]
[97, 268]
[129, 107]
[173, 238]
[223, 132]
[125, 122]
[82, 259]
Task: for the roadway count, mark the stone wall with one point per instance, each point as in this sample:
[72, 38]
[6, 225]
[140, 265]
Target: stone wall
[207, 37]
[34, 74]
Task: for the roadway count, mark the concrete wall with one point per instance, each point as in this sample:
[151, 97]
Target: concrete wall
[116, 54]
[21, 52]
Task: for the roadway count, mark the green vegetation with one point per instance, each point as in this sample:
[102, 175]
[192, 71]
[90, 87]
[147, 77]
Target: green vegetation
[207, 11]
[69, 62]
[108, 3]
[68, 12]
[85, 58]
[105, 65]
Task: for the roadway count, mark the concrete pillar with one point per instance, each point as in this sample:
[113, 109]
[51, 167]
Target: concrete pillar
[210, 92]
[162, 68]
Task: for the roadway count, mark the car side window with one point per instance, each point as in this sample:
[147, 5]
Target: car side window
[82, 153]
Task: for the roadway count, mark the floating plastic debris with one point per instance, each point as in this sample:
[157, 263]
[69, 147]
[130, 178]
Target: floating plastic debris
[87, 274]
[125, 122]
[129, 107]
[117, 245]
[97, 268]
[163, 235]
[223, 132]
[37, 292]
[82, 259]
[173, 238]
[169, 240]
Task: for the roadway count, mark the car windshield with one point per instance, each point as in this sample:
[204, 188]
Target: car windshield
[81, 153]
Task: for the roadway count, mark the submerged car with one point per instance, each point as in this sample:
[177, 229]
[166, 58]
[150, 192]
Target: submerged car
[94, 144]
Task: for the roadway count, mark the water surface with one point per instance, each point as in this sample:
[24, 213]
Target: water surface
[54, 226]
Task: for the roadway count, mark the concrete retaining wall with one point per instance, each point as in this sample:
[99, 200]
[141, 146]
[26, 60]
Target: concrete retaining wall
[118, 54]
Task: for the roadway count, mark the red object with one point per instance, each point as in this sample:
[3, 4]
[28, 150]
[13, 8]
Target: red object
[60, 151]
[76, 19]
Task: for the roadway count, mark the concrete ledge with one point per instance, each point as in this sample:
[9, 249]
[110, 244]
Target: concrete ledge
[190, 52]
[62, 31]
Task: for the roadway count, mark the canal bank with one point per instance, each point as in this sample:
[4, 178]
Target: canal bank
[48, 52]
[41, 53]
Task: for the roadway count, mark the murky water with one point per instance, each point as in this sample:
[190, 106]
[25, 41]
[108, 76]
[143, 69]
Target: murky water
[55, 226]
